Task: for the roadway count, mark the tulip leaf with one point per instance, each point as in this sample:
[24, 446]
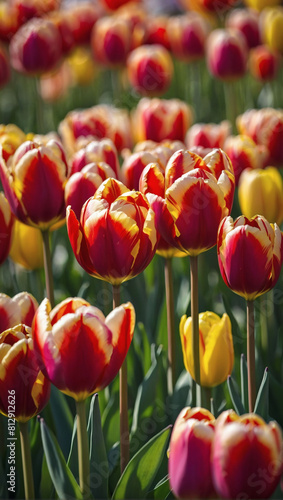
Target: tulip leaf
[111, 421]
[244, 382]
[137, 478]
[262, 400]
[235, 396]
[161, 490]
[99, 468]
[63, 419]
[47, 489]
[62, 478]
[72, 461]
[146, 392]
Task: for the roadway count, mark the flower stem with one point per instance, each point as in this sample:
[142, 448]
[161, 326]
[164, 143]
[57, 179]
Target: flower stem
[83, 448]
[195, 318]
[48, 267]
[26, 460]
[251, 354]
[123, 385]
[171, 374]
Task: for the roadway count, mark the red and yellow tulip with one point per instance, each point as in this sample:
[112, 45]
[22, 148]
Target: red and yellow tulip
[187, 35]
[24, 391]
[216, 347]
[18, 309]
[227, 54]
[190, 473]
[250, 255]
[6, 227]
[111, 41]
[99, 150]
[115, 238]
[247, 456]
[81, 351]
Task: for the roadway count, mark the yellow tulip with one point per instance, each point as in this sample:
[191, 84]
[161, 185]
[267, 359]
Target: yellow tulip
[272, 27]
[27, 249]
[82, 66]
[216, 347]
[261, 4]
[261, 192]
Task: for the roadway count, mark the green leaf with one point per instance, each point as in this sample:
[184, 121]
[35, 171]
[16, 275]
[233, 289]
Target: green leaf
[46, 489]
[111, 421]
[161, 490]
[62, 478]
[244, 382]
[99, 468]
[72, 461]
[146, 392]
[262, 400]
[63, 419]
[137, 478]
[235, 396]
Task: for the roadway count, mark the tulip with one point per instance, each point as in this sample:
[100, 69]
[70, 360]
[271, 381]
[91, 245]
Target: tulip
[27, 9]
[33, 181]
[150, 69]
[272, 25]
[265, 127]
[20, 373]
[216, 347]
[244, 153]
[26, 248]
[6, 226]
[36, 47]
[63, 23]
[159, 119]
[247, 22]
[111, 41]
[83, 17]
[18, 309]
[261, 192]
[259, 5]
[206, 7]
[115, 238]
[227, 54]
[250, 254]
[156, 31]
[133, 167]
[246, 456]
[9, 21]
[208, 135]
[189, 466]
[11, 137]
[81, 66]
[116, 4]
[99, 150]
[264, 63]
[96, 123]
[82, 185]
[187, 36]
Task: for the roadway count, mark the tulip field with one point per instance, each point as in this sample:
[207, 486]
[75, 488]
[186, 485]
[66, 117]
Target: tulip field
[141, 251]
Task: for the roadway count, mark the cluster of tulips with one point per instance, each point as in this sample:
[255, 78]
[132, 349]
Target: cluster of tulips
[125, 186]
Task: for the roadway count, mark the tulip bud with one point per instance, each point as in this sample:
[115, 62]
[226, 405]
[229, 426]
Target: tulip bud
[133, 167]
[9, 21]
[27, 247]
[246, 456]
[36, 47]
[189, 466]
[216, 347]
[81, 65]
[156, 31]
[261, 192]
[81, 351]
[150, 69]
[160, 119]
[18, 309]
[247, 23]
[187, 36]
[82, 17]
[208, 135]
[272, 26]
[261, 4]
[27, 9]
[116, 4]
[20, 375]
[227, 54]
[111, 41]
[244, 153]
[102, 150]
[6, 225]
[250, 255]
[264, 63]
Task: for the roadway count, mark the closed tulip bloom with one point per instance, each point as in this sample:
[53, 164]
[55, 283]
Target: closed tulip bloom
[116, 4]
[150, 69]
[247, 22]
[187, 36]
[11, 137]
[246, 456]
[261, 4]
[81, 66]
[81, 351]
[99, 150]
[198, 194]
[115, 238]
[18, 309]
[261, 192]
[208, 135]
[207, 7]
[245, 153]
[34, 181]
[216, 347]
[189, 465]
[82, 17]
[227, 54]
[6, 226]
[26, 248]
[9, 21]
[133, 166]
[264, 63]
[159, 119]
[36, 47]
[265, 127]
[156, 31]
[111, 41]
[27, 9]
[250, 254]
[20, 376]
[82, 185]
[272, 25]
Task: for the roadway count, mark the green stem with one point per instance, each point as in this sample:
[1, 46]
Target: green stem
[251, 354]
[83, 448]
[195, 321]
[48, 267]
[26, 460]
[123, 386]
[231, 103]
[171, 374]
[263, 323]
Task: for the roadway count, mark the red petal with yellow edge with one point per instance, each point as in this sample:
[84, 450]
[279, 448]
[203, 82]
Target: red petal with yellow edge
[78, 243]
[69, 305]
[180, 163]
[152, 180]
